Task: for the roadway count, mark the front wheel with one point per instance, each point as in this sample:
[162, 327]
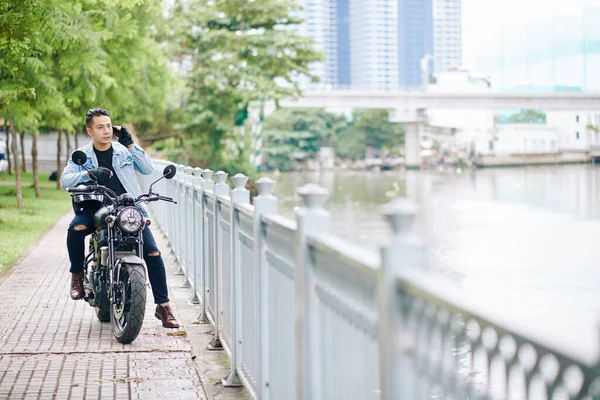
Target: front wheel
[127, 312]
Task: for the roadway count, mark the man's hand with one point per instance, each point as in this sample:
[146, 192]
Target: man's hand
[123, 135]
[102, 174]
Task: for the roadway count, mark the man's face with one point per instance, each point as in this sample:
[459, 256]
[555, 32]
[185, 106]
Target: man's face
[100, 130]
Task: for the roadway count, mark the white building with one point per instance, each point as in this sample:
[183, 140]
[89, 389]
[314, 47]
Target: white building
[573, 127]
[447, 34]
[524, 139]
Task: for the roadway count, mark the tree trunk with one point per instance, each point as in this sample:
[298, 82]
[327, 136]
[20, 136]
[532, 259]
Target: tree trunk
[8, 151]
[68, 140]
[34, 166]
[58, 163]
[76, 140]
[22, 136]
[17, 169]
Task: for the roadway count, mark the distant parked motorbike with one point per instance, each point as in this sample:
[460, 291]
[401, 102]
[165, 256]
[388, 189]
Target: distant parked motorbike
[114, 269]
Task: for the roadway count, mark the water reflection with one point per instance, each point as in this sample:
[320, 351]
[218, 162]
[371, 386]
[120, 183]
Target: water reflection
[521, 241]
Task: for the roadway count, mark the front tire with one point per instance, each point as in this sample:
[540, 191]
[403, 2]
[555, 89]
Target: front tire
[127, 314]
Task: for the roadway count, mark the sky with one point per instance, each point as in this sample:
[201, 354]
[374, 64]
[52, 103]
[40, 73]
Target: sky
[483, 20]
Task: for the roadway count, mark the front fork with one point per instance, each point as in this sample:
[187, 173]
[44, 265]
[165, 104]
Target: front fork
[115, 271]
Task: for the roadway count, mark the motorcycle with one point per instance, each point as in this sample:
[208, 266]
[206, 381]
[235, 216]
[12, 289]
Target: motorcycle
[114, 270]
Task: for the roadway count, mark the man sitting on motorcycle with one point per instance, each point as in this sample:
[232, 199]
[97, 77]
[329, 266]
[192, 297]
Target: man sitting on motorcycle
[114, 164]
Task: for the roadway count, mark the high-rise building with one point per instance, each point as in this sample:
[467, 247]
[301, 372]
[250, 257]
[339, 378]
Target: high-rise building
[375, 44]
[560, 48]
[315, 25]
[447, 34]
[339, 43]
[415, 40]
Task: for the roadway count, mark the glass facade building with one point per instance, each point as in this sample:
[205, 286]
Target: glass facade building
[374, 45]
[562, 49]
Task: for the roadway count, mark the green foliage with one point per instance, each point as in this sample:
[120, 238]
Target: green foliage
[378, 131]
[524, 117]
[20, 228]
[350, 143]
[369, 128]
[234, 52]
[58, 59]
[294, 134]
[290, 134]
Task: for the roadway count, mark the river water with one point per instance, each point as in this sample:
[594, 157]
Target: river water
[522, 242]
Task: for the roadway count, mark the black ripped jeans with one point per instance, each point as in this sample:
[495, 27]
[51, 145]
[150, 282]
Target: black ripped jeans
[156, 267]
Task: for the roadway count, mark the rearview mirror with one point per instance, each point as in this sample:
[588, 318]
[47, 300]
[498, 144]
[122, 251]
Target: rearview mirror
[79, 157]
[169, 171]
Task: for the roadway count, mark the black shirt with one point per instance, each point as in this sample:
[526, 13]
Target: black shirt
[105, 160]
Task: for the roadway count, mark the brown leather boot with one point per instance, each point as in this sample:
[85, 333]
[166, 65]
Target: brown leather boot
[77, 286]
[165, 314]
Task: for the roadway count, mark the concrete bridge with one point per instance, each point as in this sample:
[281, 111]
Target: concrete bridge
[410, 107]
[399, 100]
[304, 315]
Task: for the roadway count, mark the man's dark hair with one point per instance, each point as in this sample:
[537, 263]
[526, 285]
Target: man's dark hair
[94, 112]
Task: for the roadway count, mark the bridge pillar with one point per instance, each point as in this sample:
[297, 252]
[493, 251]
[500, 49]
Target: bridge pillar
[412, 146]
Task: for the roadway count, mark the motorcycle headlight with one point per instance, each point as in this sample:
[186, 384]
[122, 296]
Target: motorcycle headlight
[130, 220]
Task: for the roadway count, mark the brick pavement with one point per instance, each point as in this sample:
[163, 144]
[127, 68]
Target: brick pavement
[52, 347]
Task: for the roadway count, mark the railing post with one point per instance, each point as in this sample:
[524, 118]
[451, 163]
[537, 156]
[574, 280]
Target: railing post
[179, 229]
[187, 215]
[242, 196]
[197, 236]
[265, 203]
[311, 219]
[221, 189]
[170, 217]
[207, 184]
[401, 253]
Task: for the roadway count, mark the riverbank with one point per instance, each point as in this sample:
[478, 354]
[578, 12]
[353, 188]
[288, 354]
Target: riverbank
[525, 160]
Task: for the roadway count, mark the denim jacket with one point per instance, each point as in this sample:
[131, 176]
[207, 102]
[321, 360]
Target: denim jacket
[125, 162]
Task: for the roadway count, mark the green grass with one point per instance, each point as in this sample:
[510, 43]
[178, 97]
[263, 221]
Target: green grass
[20, 228]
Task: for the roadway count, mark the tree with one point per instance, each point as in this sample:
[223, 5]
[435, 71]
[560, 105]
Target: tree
[527, 117]
[58, 59]
[369, 128]
[22, 22]
[350, 143]
[290, 134]
[19, 189]
[234, 52]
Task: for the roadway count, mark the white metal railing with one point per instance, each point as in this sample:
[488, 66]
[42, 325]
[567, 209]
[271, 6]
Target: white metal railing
[305, 315]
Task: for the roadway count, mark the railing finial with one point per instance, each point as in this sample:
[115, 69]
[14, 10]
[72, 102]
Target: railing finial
[265, 186]
[313, 195]
[188, 170]
[220, 176]
[401, 214]
[198, 172]
[207, 174]
[239, 181]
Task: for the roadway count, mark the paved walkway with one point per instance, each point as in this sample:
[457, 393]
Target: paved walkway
[52, 347]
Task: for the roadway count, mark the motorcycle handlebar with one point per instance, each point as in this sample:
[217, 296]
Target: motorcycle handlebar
[88, 189]
[109, 194]
[155, 197]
